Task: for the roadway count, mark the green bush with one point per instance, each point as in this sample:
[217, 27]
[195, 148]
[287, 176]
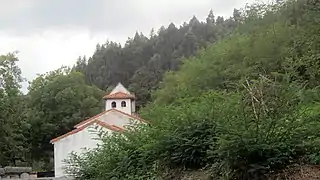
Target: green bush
[219, 111]
[186, 129]
[270, 128]
[121, 156]
[187, 146]
[178, 140]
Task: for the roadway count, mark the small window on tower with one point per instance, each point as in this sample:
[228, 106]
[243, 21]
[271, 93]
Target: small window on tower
[123, 104]
[113, 104]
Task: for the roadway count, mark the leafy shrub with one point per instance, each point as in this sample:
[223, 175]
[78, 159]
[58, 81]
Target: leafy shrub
[218, 110]
[187, 146]
[178, 140]
[121, 156]
[269, 129]
[184, 131]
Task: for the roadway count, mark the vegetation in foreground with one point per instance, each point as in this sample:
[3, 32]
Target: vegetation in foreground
[61, 98]
[244, 107]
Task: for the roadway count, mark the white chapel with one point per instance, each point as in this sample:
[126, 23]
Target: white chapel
[119, 112]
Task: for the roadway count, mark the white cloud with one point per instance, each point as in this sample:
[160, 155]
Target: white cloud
[40, 53]
[55, 33]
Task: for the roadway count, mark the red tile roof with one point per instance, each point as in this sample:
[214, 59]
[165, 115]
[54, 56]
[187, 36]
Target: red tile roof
[119, 95]
[93, 120]
[135, 116]
[103, 124]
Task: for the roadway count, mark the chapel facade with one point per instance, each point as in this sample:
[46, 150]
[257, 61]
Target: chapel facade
[119, 112]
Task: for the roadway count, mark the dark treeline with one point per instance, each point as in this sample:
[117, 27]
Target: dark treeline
[61, 98]
[142, 61]
[245, 107]
[238, 97]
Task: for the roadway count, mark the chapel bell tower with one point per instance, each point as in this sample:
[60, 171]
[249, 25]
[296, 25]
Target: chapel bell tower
[120, 99]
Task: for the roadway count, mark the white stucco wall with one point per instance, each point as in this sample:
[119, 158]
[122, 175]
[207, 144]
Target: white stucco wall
[116, 118]
[74, 143]
[133, 106]
[85, 138]
[126, 109]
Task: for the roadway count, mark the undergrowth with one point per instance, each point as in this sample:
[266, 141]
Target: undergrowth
[243, 108]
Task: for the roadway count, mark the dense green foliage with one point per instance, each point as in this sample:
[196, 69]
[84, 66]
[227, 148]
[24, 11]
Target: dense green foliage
[243, 107]
[12, 141]
[241, 99]
[142, 61]
[59, 99]
[55, 103]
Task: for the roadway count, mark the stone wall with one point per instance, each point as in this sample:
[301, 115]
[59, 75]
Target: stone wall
[47, 178]
[10, 173]
[34, 178]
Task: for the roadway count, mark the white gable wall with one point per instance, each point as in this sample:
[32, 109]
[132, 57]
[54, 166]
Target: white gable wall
[133, 106]
[120, 88]
[114, 118]
[87, 139]
[117, 119]
[74, 143]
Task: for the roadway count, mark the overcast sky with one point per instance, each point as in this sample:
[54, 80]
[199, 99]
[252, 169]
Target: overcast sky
[51, 33]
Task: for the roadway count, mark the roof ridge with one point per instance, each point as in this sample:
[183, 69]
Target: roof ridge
[114, 127]
[104, 112]
[103, 124]
[92, 118]
[119, 95]
[130, 115]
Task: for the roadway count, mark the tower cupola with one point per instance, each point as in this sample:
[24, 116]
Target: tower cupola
[120, 99]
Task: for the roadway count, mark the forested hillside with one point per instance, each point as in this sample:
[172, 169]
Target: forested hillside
[55, 102]
[235, 99]
[245, 107]
[61, 98]
[142, 61]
